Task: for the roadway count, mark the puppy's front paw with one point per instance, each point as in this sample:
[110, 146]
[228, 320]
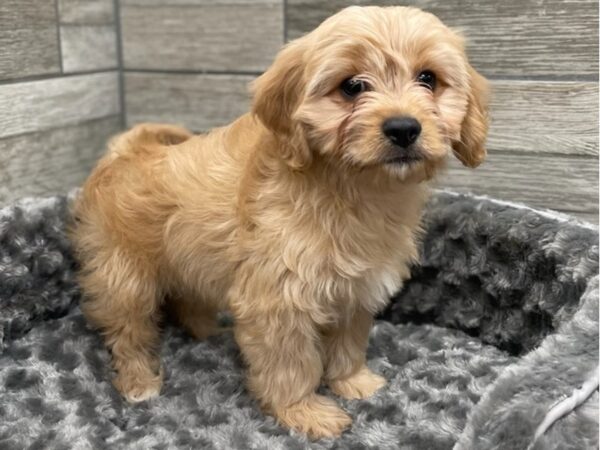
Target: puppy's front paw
[137, 387]
[362, 384]
[315, 415]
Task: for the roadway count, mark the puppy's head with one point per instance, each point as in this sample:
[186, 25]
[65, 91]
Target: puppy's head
[385, 87]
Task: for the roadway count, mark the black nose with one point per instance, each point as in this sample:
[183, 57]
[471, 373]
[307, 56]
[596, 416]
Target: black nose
[402, 131]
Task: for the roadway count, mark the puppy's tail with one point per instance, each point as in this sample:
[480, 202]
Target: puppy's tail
[148, 135]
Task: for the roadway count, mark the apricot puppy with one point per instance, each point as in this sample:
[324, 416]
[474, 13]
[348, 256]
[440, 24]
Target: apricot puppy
[299, 217]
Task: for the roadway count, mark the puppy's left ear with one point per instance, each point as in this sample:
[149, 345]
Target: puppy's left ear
[470, 150]
[277, 94]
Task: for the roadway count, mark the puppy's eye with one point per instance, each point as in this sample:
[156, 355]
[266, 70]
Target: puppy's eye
[351, 87]
[427, 78]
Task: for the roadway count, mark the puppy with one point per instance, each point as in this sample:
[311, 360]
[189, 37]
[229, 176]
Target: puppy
[300, 217]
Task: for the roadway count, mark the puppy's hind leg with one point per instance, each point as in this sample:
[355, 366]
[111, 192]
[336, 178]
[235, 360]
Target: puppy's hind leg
[122, 299]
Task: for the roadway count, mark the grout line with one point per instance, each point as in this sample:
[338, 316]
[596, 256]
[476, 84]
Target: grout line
[121, 69]
[544, 78]
[120, 66]
[58, 37]
[192, 72]
[83, 23]
[195, 72]
[591, 157]
[55, 76]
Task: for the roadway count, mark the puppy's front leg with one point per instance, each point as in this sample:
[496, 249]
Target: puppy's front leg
[281, 348]
[345, 354]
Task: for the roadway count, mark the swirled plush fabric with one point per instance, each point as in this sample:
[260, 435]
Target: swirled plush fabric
[498, 325]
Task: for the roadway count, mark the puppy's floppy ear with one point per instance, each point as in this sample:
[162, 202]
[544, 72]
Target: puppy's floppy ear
[277, 94]
[470, 150]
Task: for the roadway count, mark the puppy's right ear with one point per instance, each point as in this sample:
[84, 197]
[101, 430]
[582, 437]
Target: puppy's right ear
[277, 94]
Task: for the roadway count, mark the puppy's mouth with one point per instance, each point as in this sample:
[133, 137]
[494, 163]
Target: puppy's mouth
[404, 159]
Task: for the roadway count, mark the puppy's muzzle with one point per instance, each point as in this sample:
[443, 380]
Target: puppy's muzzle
[402, 132]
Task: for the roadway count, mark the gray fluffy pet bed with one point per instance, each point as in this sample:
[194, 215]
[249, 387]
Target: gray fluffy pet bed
[498, 325]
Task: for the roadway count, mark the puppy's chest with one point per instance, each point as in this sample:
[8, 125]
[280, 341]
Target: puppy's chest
[352, 259]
